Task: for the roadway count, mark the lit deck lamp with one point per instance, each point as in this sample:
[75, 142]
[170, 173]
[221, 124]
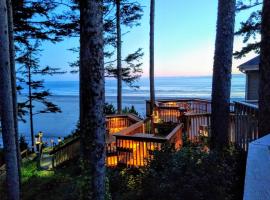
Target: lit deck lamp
[204, 131]
[155, 116]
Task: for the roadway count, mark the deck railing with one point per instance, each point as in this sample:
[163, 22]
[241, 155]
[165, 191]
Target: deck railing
[66, 152]
[246, 123]
[71, 149]
[116, 123]
[243, 124]
[170, 110]
[135, 147]
[24, 154]
[194, 121]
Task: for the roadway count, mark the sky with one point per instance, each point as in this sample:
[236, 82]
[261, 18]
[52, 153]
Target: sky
[184, 40]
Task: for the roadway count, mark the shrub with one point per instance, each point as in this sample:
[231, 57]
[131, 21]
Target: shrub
[164, 128]
[190, 173]
[109, 109]
[130, 110]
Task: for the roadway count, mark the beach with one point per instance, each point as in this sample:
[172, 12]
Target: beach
[66, 96]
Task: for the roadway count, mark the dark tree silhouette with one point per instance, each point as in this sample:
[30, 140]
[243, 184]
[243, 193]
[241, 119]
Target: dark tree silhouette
[6, 105]
[152, 64]
[264, 72]
[250, 29]
[92, 97]
[221, 84]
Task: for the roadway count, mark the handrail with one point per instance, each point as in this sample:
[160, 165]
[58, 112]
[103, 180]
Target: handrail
[133, 127]
[197, 114]
[172, 133]
[3, 167]
[71, 141]
[247, 105]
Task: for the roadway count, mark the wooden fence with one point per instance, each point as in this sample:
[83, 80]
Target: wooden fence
[24, 154]
[134, 143]
[114, 123]
[66, 152]
[246, 123]
[172, 110]
[243, 124]
[137, 149]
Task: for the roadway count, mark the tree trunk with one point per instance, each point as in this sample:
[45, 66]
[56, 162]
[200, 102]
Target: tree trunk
[119, 58]
[152, 61]
[92, 98]
[13, 83]
[264, 70]
[221, 85]
[31, 106]
[6, 106]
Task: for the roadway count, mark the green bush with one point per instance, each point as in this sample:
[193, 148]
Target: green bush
[109, 109]
[130, 110]
[164, 128]
[191, 173]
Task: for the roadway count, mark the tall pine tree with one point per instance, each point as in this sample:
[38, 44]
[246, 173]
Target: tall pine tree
[92, 97]
[250, 29]
[264, 71]
[221, 85]
[6, 106]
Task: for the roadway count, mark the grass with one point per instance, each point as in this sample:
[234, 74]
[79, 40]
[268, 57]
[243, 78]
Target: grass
[56, 184]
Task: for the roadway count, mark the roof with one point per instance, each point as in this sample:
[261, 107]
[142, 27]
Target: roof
[251, 65]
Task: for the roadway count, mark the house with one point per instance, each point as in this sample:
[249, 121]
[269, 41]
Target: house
[251, 69]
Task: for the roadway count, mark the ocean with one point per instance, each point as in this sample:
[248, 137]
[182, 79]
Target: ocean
[66, 96]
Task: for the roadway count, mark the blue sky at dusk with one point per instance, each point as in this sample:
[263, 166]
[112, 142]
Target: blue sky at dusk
[184, 40]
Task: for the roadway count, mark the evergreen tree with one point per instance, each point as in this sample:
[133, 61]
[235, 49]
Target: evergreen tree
[152, 60]
[13, 82]
[264, 71]
[92, 97]
[127, 13]
[36, 21]
[36, 93]
[130, 14]
[251, 28]
[221, 84]
[6, 105]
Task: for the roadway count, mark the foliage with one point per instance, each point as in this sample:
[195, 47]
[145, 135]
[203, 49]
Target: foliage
[130, 110]
[37, 21]
[190, 173]
[131, 13]
[29, 66]
[57, 184]
[109, 109]
[124, 182]
[250, 29]
[23, 143]
[164, 128]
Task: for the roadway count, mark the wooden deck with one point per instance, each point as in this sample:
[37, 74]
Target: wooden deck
[114, 124]
[196, 113]
[135, 145]
[130, 141]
